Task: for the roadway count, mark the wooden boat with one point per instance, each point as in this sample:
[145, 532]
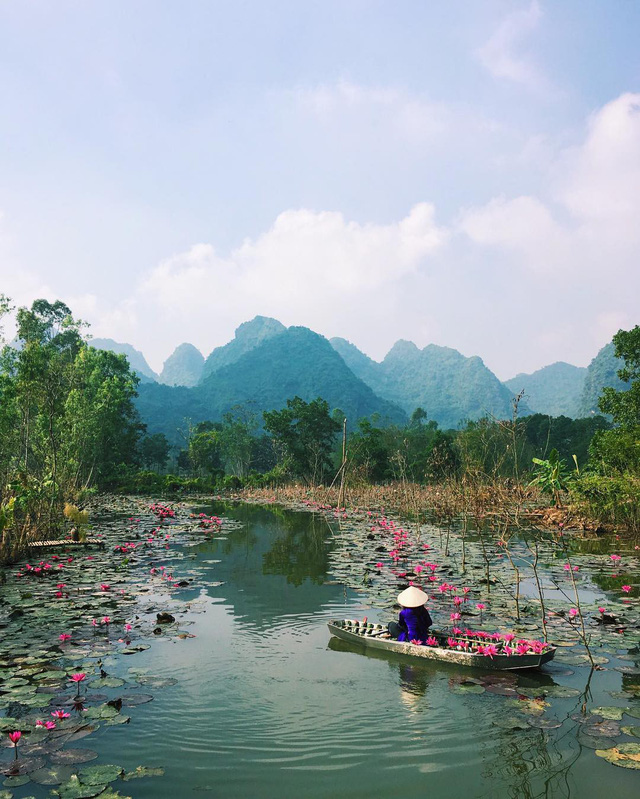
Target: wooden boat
[370, 637]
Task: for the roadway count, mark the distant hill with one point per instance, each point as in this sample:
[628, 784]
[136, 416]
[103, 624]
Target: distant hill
[295, 362]
[183, 367]
[247, 337]
[601, 372]
[447, 385]
[554, 390]
[170, 410]
[136, 359]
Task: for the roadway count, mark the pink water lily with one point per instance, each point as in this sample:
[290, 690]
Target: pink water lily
[602, 610]
[60, 714]
[431, 641]
[626, 588]
[573, 612]
[416, 642]
[77, 679]
[615, 558]
[14, 737]
[46, 725]
[64, 637]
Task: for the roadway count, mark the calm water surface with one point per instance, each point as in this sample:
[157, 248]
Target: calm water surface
[266, 706]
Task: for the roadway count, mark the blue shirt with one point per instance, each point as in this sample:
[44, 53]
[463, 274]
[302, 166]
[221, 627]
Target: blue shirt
[417, 622]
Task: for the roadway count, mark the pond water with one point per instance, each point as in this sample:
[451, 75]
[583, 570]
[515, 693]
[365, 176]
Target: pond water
[266, 705]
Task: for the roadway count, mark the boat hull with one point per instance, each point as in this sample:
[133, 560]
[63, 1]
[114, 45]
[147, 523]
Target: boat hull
[469, 659]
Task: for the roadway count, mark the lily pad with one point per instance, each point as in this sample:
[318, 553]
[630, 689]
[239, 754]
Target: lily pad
[100, 775]
[633, 731]
[625, 755]
[72, 756]
[74, 789]
[106, 682]
[596, 743]
[157, 682]
[55, 775]
[143, 771]
[18, 768]
[614, 713]
[16, 782]
[131, 700]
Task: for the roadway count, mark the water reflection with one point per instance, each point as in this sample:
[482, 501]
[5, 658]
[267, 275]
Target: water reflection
[272, 565]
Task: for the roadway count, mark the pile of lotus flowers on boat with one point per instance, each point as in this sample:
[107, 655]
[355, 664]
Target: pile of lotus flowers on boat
[488, 644]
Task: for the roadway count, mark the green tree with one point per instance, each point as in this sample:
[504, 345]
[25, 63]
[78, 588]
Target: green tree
[154, 451]
[306, 433]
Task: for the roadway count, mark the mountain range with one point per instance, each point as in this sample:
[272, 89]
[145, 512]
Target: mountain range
[267, 363]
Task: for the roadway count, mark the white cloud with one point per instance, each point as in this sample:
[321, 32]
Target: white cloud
[503, 53]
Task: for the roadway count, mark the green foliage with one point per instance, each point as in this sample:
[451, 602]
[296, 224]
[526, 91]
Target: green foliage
[551, 475]
[154, 451]
[67, 418]
[306, 432]
[612, 499]
[183, 367]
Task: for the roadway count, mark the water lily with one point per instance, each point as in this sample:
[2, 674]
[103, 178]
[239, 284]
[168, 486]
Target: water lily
[615, 558]
[77, 679]
[64, 637]
[431, 641]
[602, 610]
[573, 612]
[14, 737]
[626, 588]
[60, 714]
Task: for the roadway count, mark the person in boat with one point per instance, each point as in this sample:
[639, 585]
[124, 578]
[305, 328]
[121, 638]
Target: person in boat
[414, 619]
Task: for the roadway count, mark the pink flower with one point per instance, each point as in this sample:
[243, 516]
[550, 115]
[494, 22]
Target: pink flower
[127, 627]
[105, 620]
[379, 565]
[602, 610]
[416, 642]
[47, 725]
[79, 677]
[490, 650]
[455, 616]
[14, 737]
[60, 714]
[626, 588]
[94, 622]
[481, 606]
[614, 558]
[105, 587]
[573, 612]
[64, 637]
[431, 641]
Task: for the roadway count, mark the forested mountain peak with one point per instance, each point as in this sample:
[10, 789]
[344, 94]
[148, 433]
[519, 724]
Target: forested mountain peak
[401, 349]
[136, 359]
[247, 336]
[183, 367]
[554, 390]
[601, 372]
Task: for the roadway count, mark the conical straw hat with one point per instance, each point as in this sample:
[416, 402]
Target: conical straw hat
[412, 597]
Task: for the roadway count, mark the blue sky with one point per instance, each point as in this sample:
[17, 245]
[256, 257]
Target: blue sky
[462, 173]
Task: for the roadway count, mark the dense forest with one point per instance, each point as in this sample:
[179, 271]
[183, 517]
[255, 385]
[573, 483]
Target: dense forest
[70, 425]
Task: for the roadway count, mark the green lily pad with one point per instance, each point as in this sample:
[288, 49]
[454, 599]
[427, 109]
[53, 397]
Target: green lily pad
[119, 719]
[143, 771]
[106, 682]
[613, 713]
[16, 782]
[596, 743]
[6, 795]
[634, 712]
[544, 724]
[633, 731]
[74, 789]
[625, 755]
[100, 775]
[55, 775]
[72, 756]
[131, 700]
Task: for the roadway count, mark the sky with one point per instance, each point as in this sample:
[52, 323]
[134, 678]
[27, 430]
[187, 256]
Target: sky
[465, 174]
